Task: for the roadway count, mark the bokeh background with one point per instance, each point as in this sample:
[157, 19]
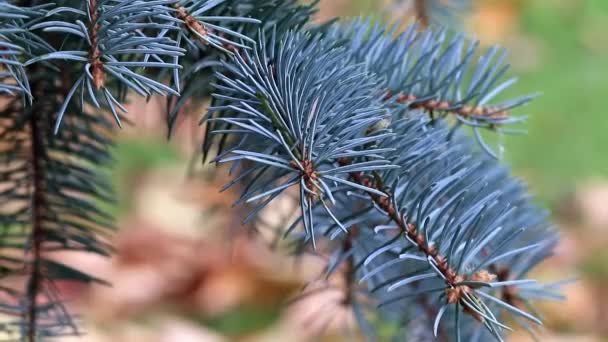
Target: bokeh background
[186, 270]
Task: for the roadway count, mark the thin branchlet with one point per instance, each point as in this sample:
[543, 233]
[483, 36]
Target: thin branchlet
[34, 285]
[464, 110]
[349, 265]
[37, 131]
[99, 77]
[421, 12]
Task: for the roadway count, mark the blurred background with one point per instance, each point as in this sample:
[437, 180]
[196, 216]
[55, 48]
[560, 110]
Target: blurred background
[186, 270]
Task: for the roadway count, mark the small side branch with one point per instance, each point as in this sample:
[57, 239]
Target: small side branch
[99, 77]
[349, 269]
[456, 290]
[448, 107]
[421, 12]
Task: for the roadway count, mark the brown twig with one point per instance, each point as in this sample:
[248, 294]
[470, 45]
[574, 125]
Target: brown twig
[421, 12]
[349, 269]
[446, 106]
[37, 174]
[99, 77]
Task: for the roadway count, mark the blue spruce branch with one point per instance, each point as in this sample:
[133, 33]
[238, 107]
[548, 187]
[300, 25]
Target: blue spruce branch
[433, 189]
[360, 123]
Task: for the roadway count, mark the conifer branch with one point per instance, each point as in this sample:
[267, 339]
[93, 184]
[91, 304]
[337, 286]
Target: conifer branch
[48, 203]
[332, 110]
[34, 283]
[436, 72]
[297, 143]
[349, 269]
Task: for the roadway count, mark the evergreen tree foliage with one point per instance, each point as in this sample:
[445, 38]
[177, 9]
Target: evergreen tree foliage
[364, 125]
